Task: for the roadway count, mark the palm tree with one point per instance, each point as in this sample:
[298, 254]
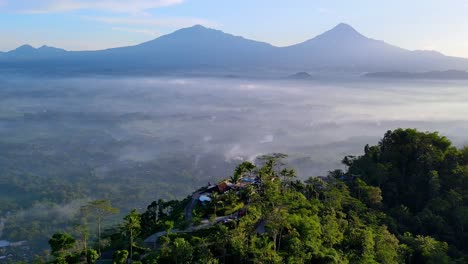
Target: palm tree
[240, 170]
[132, 227]
[100, 209]
[215, 201]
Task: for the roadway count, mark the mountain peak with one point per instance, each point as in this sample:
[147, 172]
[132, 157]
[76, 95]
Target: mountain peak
[344, 26]
[198, 26]
[46, 48]
[195, 32]
[196, 29]
[25, 47]
[344, 30]
[341, 34]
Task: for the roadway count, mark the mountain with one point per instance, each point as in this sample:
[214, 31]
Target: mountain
[25, 49]
[198, 46]
[300, 76]
[435, 75]
[202, 49]
[344, 48]
[29, 52]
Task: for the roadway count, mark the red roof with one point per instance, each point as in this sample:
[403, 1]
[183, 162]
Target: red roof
[223, 187]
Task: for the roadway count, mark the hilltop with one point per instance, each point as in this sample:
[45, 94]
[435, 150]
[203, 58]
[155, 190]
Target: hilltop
[403, 201]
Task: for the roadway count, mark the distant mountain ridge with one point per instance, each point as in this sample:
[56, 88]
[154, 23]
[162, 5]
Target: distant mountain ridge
[436, 75]
[27, 51]
[198, 48]
[300, 76]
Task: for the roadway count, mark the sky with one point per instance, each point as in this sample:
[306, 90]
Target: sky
[440, 25]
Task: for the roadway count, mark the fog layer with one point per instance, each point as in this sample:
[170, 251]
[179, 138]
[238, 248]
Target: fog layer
[235, 119]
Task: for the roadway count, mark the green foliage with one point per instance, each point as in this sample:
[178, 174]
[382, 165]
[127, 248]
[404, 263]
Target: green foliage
[60, 243]
[411, 183]
[99, 210]
[240, 170]
[423, 181]
[120, 257]
[91, 256]
[313, 222]
[132, 228]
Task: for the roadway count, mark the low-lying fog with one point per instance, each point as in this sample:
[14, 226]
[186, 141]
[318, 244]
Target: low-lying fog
[134, 140]
[237, 119]
[128, 123]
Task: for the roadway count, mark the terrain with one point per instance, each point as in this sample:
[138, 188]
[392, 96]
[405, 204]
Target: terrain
[201, 51]
[433, 75]
[403, 201]
[68, 141]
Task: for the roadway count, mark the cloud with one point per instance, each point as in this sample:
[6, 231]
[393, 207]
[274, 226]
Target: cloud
[234, 153]
[49, 211]
[249, 86]
[60, 6]
[143, 31]
[149, 20]
[267, 139]
[115, 6]
[124, 15]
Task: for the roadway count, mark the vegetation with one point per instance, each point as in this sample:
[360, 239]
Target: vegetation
[403, 201]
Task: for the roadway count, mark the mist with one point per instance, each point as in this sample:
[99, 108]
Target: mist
[143, 119]
[135, 140]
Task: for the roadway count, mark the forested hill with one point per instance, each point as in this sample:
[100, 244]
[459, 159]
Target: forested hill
[404, 201]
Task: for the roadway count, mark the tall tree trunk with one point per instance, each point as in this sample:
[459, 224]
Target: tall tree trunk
[99, 236]
[131, 245]
[279, 239]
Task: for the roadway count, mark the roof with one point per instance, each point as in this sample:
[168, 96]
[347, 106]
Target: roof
[260, 227]
[4, 243]
[223, 187]
[204, 198]
[248, 179]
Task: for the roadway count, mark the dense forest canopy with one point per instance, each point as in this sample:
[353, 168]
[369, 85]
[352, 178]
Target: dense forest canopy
[403, 201]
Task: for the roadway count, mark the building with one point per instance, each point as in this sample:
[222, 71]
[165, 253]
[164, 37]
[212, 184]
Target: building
[4, 244]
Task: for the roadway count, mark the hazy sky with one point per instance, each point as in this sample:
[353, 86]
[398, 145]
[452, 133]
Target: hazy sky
[95, 24]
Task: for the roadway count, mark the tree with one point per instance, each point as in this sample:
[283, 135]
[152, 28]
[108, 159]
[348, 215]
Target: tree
[287, 175]
[419, 179]
[276, 222]
[60, 242]
[132, 227]
[182, 251]
[240, 170]
[263, 251]
[271, 164]
[100, 209]
[82, 230]
[331, 233]
[120, 257]
[407, 165]
[201, 251]
[434, 251]
[216, 201]
[91, 256]
[386, 247]
[150, 219]
[371, 195]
